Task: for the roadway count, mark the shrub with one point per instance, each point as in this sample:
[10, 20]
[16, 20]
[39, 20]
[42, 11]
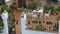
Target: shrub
[1, 25]
[40, 27]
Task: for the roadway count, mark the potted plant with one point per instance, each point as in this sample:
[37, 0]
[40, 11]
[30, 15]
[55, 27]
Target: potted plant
[4, 7]
[46, 7]
[33, 5]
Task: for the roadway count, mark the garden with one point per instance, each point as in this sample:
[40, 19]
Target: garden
[11, 18]
[54, 11]
[31, 7]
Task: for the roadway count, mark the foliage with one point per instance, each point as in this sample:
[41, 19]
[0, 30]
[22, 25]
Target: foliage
[58, 16]
[1, 25]
[33, 5]
[12, 25]
[12, 22]
[51, 8]
[46, 7]
[1, 22]
[4, 7]
[55, 29]
[57, 9]
[40, 27]
[9, 10]
[12, 5]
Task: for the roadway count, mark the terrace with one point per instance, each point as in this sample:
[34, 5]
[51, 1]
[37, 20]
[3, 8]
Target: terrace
[45, 20]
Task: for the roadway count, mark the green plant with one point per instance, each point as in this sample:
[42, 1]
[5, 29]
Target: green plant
[1, 22]
[22, 6]
[51, 8]
[1, 25]
[12, 25]
[33, 5]
[46, 7]
[12, 5]
[55, 29]
[10, 28]
[4, 7]
[40, 27]
[59, 16]
[57, 10]
[9, 9]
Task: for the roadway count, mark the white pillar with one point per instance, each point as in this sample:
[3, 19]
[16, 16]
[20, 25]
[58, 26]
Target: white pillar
[59, 26]
[25, 16]
[4, 18]
[5, 26]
